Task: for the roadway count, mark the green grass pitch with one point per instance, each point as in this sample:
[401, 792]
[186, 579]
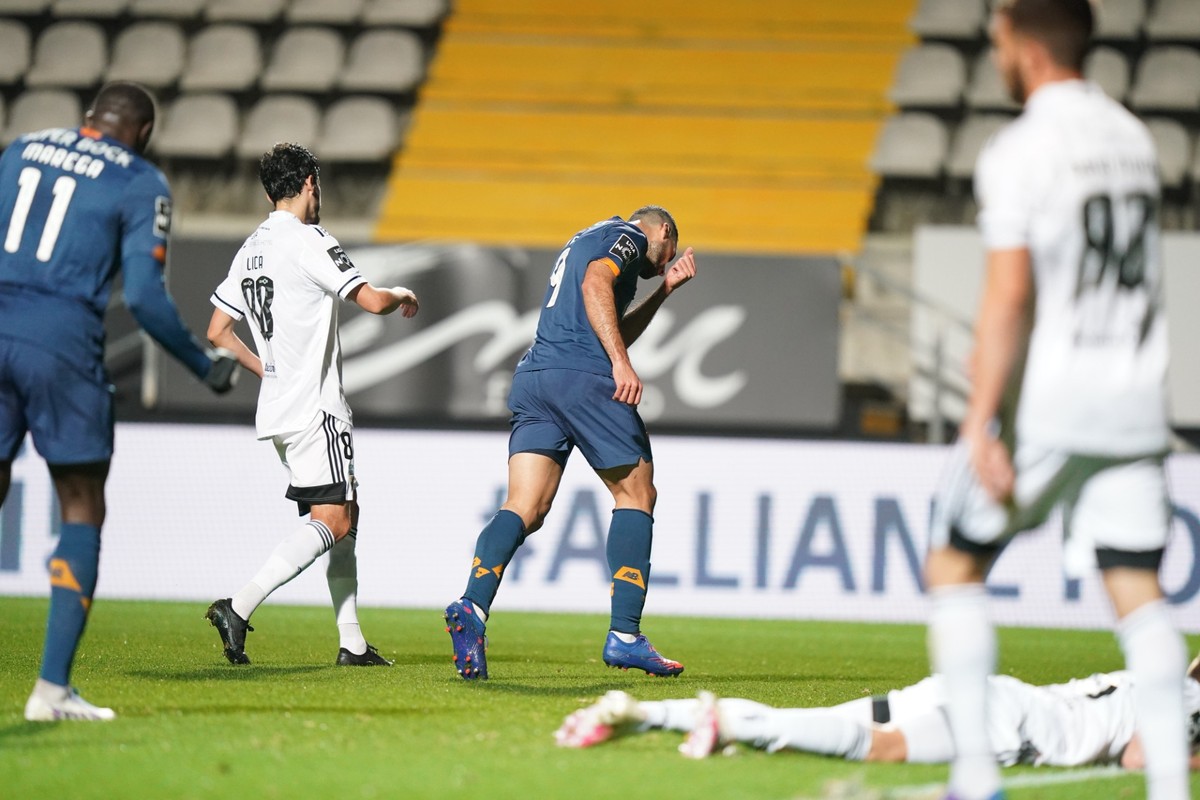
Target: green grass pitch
[292, 725]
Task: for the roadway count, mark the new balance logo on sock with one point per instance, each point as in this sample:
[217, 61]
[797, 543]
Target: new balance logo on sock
[62, 577]
[480, 571]
[631, 575]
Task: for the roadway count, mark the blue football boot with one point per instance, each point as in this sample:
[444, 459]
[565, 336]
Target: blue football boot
[467, 633]
[639, 654]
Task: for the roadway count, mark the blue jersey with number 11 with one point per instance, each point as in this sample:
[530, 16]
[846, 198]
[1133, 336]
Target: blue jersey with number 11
[565, 338]
[76, 206]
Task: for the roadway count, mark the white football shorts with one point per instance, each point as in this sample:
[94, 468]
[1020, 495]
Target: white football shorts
[1116, 508]
[320, 462]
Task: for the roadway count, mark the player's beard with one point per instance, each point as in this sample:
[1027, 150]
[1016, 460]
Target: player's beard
[654, 252]
[1016, 85]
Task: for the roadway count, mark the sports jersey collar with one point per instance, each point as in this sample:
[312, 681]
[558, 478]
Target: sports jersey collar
[1055, 91]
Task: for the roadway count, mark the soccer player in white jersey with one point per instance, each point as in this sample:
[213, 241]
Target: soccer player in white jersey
[1067, 405]
[288, 279]
[1080, 723]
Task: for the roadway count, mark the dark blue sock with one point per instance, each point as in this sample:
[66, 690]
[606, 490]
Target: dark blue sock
[73, 569]
[628, 551]
[497, 543]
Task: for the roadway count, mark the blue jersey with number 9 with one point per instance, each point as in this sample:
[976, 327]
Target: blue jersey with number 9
[565, 338]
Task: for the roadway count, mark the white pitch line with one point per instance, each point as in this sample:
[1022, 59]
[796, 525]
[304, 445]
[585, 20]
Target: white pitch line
[1028, 780]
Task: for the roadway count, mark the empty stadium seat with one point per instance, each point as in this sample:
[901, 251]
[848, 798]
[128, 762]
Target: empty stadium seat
[383, 61]
[14, 51]
[970, 138]
[278, 118]
[987, 89]
[1168, 79]
[253, 11]
[911, 145]
[173, 9]
[305, 60]
[21, 8]
[949, 19]
[69, 54]
[1174, 20]
[105, 9]
[222, 58]
[1174, 150]
[404, 13]
[1195, 168]
[1120, 20]
[323, 12]
[42, 108]
[197, 126]
[150, 53]
[358, 129]
[931, 75]
[1108, 68]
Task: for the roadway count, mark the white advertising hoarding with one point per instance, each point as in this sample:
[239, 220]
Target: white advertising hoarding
[744, 527]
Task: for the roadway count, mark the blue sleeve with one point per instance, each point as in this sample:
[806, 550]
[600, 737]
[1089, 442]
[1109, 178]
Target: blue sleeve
[624, 245]
[146, 222]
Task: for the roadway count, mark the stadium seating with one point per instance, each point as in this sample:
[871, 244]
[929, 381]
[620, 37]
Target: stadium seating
[305, 59]
[70, 54]
[358, 129]
[404, 13]
[244, 11]
[150, 53]
[1174, 20]
[21, 8]
[987, 90]
[197, 126]
[98, 9]
[223, 57]
[912, 145]
[932, 75]
[278, 118]
[389, 61]
[323, 12]
[1120, 20]
[14, 51]
[1168, 79]
[42, 108]
[166, 9]
[1108, 68]
[969, 140]
[1174, 150]
[949, 19]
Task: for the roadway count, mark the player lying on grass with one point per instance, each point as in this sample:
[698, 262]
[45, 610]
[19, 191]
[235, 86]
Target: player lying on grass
[1083, 722]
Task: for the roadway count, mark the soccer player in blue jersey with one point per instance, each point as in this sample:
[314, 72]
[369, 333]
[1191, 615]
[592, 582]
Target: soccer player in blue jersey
[576, 387]
[77, 205]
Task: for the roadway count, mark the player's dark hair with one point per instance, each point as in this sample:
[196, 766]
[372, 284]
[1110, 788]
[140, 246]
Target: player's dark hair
[126, 101]
[284, 168]
[657, 215]
[1063, 26]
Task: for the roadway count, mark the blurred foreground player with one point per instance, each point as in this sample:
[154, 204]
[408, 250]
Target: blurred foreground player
[1079, 723]
[1067, 405]
[77, 205]
[575, 387]
[289, 278]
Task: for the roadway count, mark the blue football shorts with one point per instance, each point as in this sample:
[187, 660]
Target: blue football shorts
[556, 410]
[69, 414]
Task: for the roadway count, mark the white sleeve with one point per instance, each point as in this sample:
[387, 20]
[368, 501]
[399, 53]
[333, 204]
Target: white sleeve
[228, 296]
[324, 260]
[1004, 193]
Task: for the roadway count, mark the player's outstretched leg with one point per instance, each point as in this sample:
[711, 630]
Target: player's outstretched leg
[707, 734]
[51, 703]
[469, 638]
[611, 715]
[638, 654]
[232, 629]
[370, 658]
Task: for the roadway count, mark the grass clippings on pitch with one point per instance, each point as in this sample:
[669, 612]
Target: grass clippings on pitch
[294, 726]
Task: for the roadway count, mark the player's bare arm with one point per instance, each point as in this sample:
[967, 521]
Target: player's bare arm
[384, 301]
[1003, 317]
[221, 334]
[637, 319]
[601, 306]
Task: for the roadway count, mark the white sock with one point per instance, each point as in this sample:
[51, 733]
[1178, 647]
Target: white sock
[1155, 654]
[291, 557]
[50, 692]
[341, 573]
[627, 638]
[962, 648]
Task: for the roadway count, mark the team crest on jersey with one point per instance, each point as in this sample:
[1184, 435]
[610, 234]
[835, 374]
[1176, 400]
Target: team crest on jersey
[624, 249]
[162, 217]
[340, 258]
